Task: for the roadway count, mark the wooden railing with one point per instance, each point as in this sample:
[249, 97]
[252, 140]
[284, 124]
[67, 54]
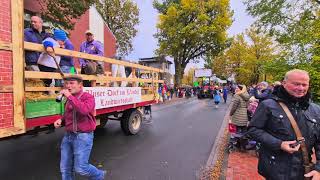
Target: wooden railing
[106, 79]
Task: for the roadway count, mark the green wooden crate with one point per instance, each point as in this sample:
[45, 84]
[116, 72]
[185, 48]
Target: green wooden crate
[43, 108]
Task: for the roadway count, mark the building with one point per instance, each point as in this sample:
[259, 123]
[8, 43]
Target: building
[161, 63]
[91, 20]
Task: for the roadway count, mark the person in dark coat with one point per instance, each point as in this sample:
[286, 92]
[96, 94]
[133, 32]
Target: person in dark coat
[278, 159]
[265, 91]
[225, 94]
[34, 34]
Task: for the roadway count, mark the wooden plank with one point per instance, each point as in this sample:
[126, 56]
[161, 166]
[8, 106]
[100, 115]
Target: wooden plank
[6, 89]
[17, 26]
[32, 89]
[47, 75]
[11, 132]
[59, 51]
[5, 46]
[147, 97]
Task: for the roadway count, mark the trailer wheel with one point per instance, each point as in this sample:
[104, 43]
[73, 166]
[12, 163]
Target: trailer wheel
[131, 122]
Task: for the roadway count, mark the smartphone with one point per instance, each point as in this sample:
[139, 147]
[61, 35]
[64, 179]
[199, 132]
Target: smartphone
[296, 143]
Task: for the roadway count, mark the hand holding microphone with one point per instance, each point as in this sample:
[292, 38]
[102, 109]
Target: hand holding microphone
[63, 92]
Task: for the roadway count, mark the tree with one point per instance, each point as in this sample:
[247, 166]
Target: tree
[295, 26]
[291, 22]
[188, 29]
[121, 16]
[248, 60]
[63, 12]
[188, 77]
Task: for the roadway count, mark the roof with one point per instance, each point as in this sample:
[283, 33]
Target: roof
[155, 59]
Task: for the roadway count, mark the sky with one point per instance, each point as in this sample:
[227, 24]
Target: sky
[144, 44]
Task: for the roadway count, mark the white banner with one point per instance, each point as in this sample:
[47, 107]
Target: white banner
[114, 96]
[202, 73]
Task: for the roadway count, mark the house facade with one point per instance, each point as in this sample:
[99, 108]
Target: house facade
[161, 63]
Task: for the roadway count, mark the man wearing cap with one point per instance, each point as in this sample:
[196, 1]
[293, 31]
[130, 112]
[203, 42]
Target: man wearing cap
[34, 34]
[94, 47]
[79, 123]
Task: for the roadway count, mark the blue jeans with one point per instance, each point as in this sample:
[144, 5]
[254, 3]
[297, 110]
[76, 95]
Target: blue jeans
[75, 153]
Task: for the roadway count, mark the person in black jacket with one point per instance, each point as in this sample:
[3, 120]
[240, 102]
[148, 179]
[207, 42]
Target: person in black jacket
[265, 91]
[278, 159]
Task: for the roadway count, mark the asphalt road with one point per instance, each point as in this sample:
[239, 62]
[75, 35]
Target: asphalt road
[174, 147]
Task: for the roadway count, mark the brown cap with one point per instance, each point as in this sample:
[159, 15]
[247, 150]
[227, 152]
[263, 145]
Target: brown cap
[73, 78]
[89, 32]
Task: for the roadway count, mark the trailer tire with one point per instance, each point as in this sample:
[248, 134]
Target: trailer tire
[131, 122]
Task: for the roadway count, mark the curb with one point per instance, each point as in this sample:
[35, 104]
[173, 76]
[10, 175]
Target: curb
[213, 155]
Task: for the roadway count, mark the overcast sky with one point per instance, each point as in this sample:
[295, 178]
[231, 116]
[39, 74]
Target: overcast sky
[145, 44]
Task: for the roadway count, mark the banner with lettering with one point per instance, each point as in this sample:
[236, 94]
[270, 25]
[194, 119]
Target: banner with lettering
[114, 96]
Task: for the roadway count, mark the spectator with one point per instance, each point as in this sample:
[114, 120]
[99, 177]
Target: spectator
[171, 92]
[265, 91]
[94, 47]
[34, 34]
[279, 156]
[78, 139]
[238, 112]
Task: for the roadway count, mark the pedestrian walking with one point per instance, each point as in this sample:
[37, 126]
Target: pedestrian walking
[216, 97]
[238, 112]
[287, 126]
[225, 94]
[79, 123]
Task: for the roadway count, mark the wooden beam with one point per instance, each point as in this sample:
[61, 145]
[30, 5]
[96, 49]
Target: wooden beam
[5, 46]
[48, 75]
[59, 51]
[17, 26]
[32, 89]
[148, 97]
[6, 89]
[10, 132]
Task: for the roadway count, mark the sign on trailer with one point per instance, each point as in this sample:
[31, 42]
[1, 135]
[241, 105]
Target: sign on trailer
[114, 96]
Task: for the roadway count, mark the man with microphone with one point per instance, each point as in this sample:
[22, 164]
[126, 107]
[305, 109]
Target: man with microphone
[80, 122]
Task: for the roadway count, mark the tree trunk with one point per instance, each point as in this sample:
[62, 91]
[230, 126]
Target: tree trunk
[178, 73]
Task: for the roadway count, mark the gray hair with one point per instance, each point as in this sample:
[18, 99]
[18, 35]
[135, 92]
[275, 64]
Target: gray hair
[40, 19]
[286, 77]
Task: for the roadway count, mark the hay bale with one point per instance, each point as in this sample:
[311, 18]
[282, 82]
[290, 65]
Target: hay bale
[36, 96]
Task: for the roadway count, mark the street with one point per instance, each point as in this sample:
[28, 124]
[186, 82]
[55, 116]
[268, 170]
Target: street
[174, 147]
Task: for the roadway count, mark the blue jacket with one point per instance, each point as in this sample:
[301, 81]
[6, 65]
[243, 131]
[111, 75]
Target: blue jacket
[67, 60]
[265, 94]
[31, 35]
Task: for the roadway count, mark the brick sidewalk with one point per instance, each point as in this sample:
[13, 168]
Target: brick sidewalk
[242, 166]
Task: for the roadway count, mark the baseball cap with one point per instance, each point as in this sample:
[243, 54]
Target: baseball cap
[89, 32]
